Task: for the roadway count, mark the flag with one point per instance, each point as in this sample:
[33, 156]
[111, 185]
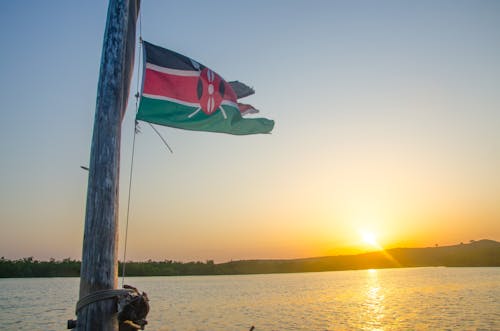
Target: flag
[182, 93]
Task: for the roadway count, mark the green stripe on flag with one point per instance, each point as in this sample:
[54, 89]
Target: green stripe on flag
[176, 115]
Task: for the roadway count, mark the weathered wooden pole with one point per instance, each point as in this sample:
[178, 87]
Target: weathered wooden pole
[100, 241]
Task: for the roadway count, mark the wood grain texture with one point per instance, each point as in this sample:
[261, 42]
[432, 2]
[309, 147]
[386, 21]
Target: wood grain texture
[100, 242]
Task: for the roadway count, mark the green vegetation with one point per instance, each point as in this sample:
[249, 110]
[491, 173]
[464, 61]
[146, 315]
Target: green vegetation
[483, 253]
[28, 267]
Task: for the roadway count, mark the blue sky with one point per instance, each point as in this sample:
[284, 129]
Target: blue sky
[387, 117]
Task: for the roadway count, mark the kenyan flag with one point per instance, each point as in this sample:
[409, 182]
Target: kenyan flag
[182, 93]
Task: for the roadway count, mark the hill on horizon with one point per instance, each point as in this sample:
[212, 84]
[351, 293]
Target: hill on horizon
[481, 253]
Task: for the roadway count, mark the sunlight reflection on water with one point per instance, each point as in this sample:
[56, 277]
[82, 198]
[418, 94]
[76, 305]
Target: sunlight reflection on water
[391, 299]
[373, 308]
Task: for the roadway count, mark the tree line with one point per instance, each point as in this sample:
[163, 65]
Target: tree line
[30, 267]
[483, 253]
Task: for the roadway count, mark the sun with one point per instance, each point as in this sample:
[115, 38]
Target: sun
[369, 238]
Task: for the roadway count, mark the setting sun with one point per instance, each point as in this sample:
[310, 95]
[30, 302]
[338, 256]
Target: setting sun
[369, 238]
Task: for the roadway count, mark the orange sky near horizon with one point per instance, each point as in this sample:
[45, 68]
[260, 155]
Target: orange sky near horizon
[387, 122]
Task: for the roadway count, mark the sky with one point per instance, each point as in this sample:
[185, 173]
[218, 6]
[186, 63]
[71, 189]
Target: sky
[387, 123]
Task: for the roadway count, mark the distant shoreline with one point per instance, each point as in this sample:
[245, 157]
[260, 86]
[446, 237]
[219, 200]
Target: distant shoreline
[248, 274]
[481, 253]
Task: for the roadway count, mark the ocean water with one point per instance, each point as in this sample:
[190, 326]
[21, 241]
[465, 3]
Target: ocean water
[389, 299]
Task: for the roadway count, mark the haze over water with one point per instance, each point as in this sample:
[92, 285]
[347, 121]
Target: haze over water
[390, 299]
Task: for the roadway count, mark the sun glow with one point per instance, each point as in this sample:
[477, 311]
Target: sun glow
[369, 238]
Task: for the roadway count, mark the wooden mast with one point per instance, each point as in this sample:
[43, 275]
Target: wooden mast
[99, 268]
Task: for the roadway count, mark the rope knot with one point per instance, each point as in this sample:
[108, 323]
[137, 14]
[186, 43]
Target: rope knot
[133, 307]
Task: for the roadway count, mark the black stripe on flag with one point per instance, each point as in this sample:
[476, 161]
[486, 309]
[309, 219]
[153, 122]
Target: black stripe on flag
[169, 59]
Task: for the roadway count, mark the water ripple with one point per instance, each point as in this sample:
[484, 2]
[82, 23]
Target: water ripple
[391, 299]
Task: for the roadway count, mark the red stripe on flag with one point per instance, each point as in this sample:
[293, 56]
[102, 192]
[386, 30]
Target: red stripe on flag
[172, 86]
[182, 88]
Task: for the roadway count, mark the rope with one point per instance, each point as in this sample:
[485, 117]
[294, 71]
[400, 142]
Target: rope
[99, 296]
[128, 208]
[137, 95]
[136, 130]
[161, 137]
